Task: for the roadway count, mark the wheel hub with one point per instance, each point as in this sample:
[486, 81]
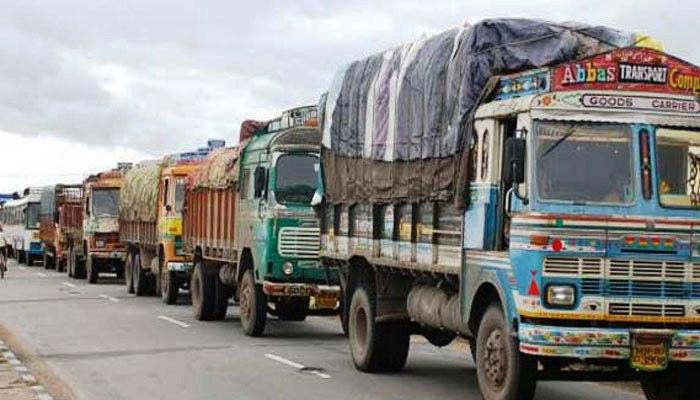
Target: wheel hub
[495, 360]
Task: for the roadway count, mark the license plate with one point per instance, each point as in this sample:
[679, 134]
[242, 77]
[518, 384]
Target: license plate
[649, 353]
[327, 300]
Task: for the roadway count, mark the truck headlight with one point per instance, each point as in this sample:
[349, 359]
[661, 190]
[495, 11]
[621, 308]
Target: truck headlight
[288, 268]
[561, 295]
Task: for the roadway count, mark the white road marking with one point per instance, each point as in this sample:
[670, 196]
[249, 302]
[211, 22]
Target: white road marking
[104, 296]
[173, 321]
[41, 274]
[70, 285]
[296, 365]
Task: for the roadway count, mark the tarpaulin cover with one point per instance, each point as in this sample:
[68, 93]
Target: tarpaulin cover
[138, 197]
[394, 123]
[248, 129]
[219, 170]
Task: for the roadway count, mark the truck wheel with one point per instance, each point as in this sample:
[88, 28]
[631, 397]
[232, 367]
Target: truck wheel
[91, 267]
[169, 288]
[129, 272]
[375, 347]
[203, 292]
[139, 277]
[30, 260]
[292, 308]
[671, 385]
[253, 307]
[503, 373]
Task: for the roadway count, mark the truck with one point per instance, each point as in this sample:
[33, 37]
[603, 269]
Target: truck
[57, 203]
[250, 231]
[20, 224]
[150, 227]
[96, 248]
[546, 212]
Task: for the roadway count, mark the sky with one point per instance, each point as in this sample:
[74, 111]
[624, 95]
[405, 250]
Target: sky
[85, 84]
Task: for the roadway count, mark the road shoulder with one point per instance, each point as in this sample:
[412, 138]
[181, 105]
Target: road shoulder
[24, 376]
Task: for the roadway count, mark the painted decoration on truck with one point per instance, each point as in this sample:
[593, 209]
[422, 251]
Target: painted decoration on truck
[630, 69]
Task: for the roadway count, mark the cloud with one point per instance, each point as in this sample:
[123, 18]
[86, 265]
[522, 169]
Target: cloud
[164, 75]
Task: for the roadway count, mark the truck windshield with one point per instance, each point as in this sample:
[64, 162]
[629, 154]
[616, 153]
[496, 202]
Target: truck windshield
[678, 158]
[584, 163]
[33, 215]
[104, 202]
[296, 178]
[179, 194]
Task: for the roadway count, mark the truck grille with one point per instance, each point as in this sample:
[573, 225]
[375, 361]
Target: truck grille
[573, 266]
[636, 269]
[299, 242]
[647, 309]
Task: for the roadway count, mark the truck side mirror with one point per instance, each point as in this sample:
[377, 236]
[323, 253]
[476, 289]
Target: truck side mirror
[260, 181]
[515, 157]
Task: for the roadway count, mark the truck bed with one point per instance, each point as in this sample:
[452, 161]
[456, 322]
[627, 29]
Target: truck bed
[209, 223]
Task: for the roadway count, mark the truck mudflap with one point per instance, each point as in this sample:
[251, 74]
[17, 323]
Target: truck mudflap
[647, 349]
[325, 296]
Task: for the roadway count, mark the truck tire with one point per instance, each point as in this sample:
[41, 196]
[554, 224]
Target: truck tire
[92, 270]
[169, 287]
[503, 373]
[375, 346]
[129, 272]
[203, 293]
[253, 305]
[29, 259]
[674, 384]
[292, 308]
[139, 277]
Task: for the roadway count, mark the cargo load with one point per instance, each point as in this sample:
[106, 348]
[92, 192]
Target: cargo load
[219, 170]
[394, 123]
[139, 192]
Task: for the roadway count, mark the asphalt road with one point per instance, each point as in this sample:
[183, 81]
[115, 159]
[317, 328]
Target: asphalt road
[106, 344]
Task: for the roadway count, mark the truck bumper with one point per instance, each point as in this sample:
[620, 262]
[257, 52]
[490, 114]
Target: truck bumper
[325, 296]
[179, 267]
[610, 343]
[109, 255]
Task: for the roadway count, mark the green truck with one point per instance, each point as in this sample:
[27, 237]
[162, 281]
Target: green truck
[250, 231]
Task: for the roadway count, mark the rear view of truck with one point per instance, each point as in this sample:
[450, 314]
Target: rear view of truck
[59, 204]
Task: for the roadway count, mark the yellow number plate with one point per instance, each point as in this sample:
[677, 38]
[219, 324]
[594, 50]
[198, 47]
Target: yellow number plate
[324, 300]
[649, 353]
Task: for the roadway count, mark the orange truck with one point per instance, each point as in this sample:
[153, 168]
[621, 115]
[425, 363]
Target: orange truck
[56, 228]
[150, 227]
[97, 248]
